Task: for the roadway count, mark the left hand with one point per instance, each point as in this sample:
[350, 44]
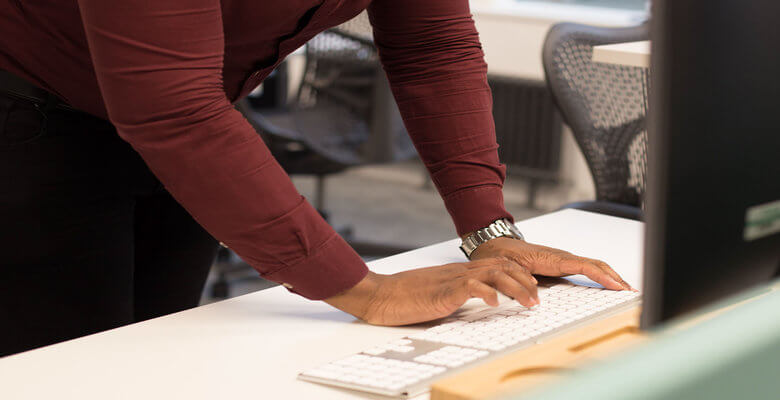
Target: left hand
[547, 261]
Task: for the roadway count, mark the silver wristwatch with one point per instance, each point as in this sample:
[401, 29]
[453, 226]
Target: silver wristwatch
[499, 228]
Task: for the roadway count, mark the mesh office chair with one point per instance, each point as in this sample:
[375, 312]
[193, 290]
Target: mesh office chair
[605, 105]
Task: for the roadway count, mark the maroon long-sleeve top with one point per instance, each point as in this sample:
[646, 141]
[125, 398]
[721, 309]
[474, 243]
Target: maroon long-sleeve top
[166, 72]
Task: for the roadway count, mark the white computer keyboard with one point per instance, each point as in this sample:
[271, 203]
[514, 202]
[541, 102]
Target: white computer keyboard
[407, 367]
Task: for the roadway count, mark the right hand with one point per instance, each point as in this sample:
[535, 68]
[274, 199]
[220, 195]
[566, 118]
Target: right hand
[426, 294]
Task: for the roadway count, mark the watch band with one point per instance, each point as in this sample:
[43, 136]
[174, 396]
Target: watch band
[499, 228]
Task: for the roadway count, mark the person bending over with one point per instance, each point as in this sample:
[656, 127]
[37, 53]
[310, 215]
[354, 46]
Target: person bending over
[119, 181]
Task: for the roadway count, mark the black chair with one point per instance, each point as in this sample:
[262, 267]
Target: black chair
[342, 116]
[605, 105]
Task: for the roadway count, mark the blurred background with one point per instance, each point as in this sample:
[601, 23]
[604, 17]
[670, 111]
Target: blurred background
[329, 118]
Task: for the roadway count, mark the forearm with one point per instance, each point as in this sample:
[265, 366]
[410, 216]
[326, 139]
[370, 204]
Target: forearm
[237, 191]
[435, 65]
[159, 66]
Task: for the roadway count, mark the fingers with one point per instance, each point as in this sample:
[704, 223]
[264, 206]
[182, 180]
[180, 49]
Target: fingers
[593, 271]
[510, 279]
[512, 288]
[483, 291]
[611, 272]
[521, 275]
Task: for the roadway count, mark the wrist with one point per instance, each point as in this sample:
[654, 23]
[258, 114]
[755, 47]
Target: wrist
[357, 299]
[499, 228]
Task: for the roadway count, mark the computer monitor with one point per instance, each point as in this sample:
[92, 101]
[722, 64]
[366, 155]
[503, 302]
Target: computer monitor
[713, 196]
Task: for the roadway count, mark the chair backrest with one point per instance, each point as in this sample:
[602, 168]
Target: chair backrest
[343, 102]
[605, 105]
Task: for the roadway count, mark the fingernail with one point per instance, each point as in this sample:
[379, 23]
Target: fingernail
[535, 281]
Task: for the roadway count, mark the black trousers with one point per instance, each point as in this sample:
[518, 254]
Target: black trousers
[89, 239]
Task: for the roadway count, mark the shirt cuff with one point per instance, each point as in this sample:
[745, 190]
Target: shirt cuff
[476, 208]
[330, 270]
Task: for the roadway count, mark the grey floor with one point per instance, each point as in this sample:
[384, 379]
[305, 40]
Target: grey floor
[387, 204]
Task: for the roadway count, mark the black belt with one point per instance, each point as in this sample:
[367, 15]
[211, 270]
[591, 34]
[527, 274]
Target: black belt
[19, 88]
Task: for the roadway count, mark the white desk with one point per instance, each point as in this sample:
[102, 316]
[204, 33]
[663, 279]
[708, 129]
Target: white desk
[635, 54]
[253, 346]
